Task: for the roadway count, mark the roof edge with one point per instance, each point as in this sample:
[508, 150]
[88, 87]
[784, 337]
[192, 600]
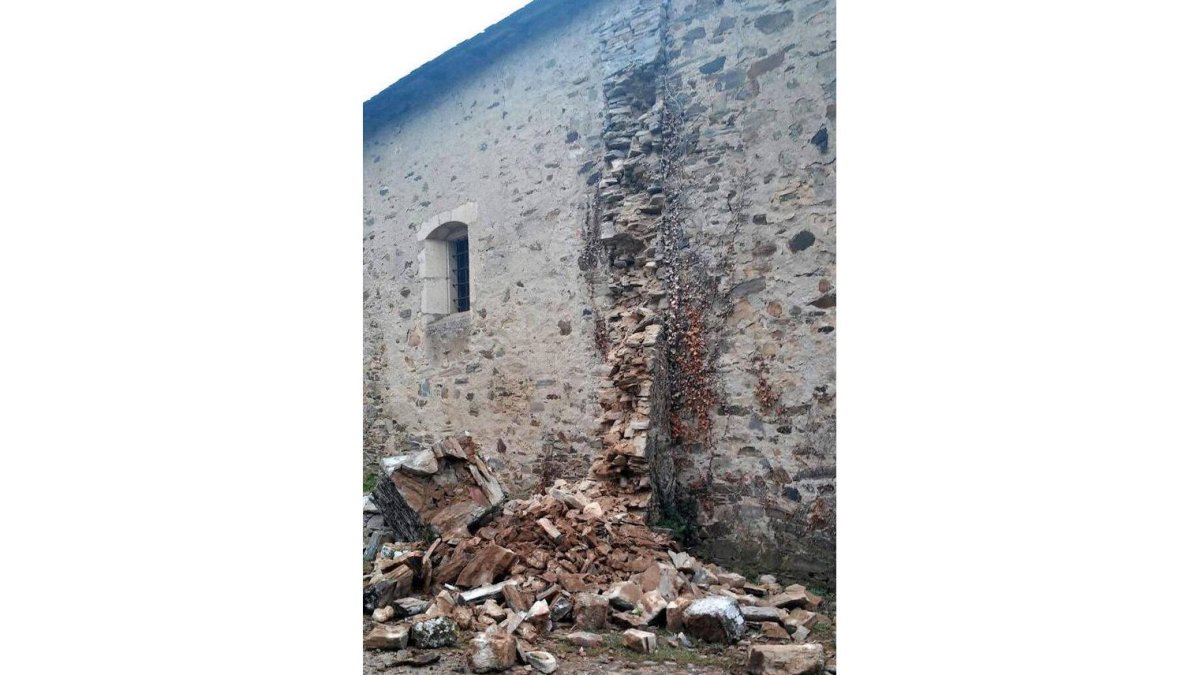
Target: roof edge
[426, 84]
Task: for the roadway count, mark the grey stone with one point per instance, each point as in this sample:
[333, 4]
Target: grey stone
[713, 66]
[748, 287]
[420, 463]
[774, 22]
[433, 633]
[542, 662]
[801, 241]
[714, 619]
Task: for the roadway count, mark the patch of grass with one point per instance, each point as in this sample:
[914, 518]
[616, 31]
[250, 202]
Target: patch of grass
[701, 655]
[822, 628]
[369, 482]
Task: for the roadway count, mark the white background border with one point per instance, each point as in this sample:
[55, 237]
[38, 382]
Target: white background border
[180, 276]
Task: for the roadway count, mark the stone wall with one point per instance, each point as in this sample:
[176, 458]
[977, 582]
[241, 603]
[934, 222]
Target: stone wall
[755, 86]
[645, 178]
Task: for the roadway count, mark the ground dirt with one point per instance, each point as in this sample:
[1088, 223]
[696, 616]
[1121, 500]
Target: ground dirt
[612, 657]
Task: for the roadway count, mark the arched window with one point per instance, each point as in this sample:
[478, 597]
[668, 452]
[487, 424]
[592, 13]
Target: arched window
[445, 261]
[447, 269]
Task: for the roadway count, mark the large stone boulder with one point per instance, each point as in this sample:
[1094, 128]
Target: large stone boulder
[433, 633]
[715, 618]
[805, 659]
[493, 652]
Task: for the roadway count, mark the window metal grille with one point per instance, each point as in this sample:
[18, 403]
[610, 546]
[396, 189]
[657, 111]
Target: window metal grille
[460, 275]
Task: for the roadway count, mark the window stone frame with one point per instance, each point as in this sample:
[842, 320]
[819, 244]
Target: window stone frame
[434, 261]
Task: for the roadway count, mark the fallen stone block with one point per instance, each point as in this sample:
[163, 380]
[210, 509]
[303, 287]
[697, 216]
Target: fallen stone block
[539, 616]
[639, 640]
[591, 611]
[653, 605]
[660, 577]
[384, 614]
[674, 614]
[755, 614]
[419, 463]
[585, 639]
[542, 662]
[625, 595]
[804, 659]
[515, 598]
[628, 620]
[488, 563]
[731, 579]
[773, 631]
[493, 652]
[393, 636]
[788, 599]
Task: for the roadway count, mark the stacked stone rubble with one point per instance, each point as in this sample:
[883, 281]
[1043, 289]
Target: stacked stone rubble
[630, 206]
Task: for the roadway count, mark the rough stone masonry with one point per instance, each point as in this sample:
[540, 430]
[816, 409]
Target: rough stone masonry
[646, 189]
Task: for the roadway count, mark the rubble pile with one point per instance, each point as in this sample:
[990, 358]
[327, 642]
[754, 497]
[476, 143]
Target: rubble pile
[446, 488]
[499, 577]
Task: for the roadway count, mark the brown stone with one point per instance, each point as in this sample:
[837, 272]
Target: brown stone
[585, 639]
[653, 605]
[731, 579]
[551, 531]
[793, 659]
[516, 598]
[492, 610]
[463, 616]
[788, 599]
[812, 600]
[392, 636]
[528, 632]
[493, 652]
[806, 618]
[628, 620]
[674, 614]
[639, 640]
[486, 566]
[539, 616]
[591, 611]
[625, 595]
[661, 577]
[773, 631]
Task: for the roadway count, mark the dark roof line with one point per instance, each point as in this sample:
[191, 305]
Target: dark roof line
[427, 83]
